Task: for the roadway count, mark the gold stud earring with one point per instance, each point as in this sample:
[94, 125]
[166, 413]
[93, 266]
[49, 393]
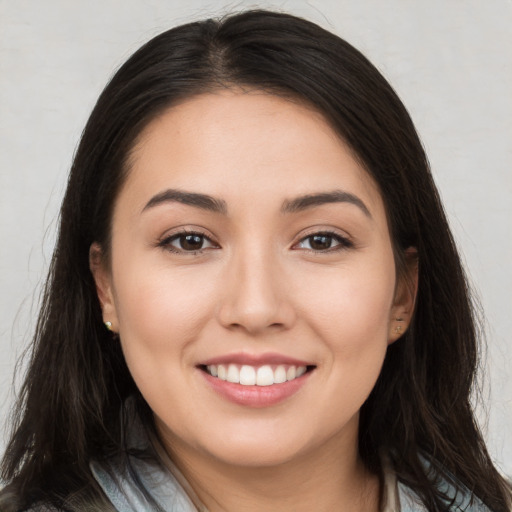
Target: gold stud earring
[398, 328]
[108, 325]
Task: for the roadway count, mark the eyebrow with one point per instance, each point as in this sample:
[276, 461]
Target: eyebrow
[203, 201]
[302, 203]
[212, 204]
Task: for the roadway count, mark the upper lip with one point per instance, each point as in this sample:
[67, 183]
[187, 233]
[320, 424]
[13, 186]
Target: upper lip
[255, 360]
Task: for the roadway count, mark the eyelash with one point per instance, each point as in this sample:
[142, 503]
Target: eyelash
[343, 243]
[166, 243]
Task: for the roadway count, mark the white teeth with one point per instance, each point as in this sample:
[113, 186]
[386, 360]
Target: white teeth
[264, 376]
[279, 375]
[233, 374]
[247, 375]
[221, 372]
[260, 376]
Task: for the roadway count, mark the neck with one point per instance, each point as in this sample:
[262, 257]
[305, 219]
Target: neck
[322, 479]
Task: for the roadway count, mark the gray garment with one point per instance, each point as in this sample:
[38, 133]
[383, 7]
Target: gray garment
[409, 501]
[164, 488]
[126, 496]
[162, 481]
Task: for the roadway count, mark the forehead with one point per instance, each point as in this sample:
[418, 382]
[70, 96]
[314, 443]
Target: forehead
[228, 143]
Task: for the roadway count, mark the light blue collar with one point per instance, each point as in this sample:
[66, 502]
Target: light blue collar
[145, 472]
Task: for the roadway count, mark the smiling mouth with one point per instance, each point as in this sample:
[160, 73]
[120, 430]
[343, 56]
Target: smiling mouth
[264, 375]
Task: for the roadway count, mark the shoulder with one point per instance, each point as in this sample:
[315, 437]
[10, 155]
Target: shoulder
[43, 507]
[140, 484]
[458, 498]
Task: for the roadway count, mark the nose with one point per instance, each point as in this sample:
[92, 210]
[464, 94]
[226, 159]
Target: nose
[256, 297]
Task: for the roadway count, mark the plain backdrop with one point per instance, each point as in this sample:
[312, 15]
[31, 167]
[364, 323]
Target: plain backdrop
[449, 60]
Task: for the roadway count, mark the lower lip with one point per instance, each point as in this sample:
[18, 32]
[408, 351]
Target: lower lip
[256, 396]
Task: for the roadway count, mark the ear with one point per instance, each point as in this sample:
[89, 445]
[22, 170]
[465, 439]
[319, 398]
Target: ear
[405, 297]
[103, 279]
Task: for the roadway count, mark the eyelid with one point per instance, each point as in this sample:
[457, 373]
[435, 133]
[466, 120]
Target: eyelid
[165, 241]
[344, 241]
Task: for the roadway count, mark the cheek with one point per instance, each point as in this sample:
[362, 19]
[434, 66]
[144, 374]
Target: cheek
[353, 306]
[351, 317]
[161, 313]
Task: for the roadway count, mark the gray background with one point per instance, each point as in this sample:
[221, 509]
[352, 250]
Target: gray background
[449, 60]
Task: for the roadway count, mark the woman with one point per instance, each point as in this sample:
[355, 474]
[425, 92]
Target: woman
[255, 302]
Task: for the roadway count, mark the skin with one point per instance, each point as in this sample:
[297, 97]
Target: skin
[256, 286]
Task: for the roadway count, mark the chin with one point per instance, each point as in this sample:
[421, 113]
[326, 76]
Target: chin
[257, 455]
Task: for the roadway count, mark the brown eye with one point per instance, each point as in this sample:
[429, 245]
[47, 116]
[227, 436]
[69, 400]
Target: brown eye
[187, 243]
[191, 242]
[323, 242]
[320, 242]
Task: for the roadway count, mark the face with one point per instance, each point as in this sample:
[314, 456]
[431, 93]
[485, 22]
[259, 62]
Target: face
[252, 280]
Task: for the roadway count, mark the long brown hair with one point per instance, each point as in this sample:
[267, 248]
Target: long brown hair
[77, 381]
